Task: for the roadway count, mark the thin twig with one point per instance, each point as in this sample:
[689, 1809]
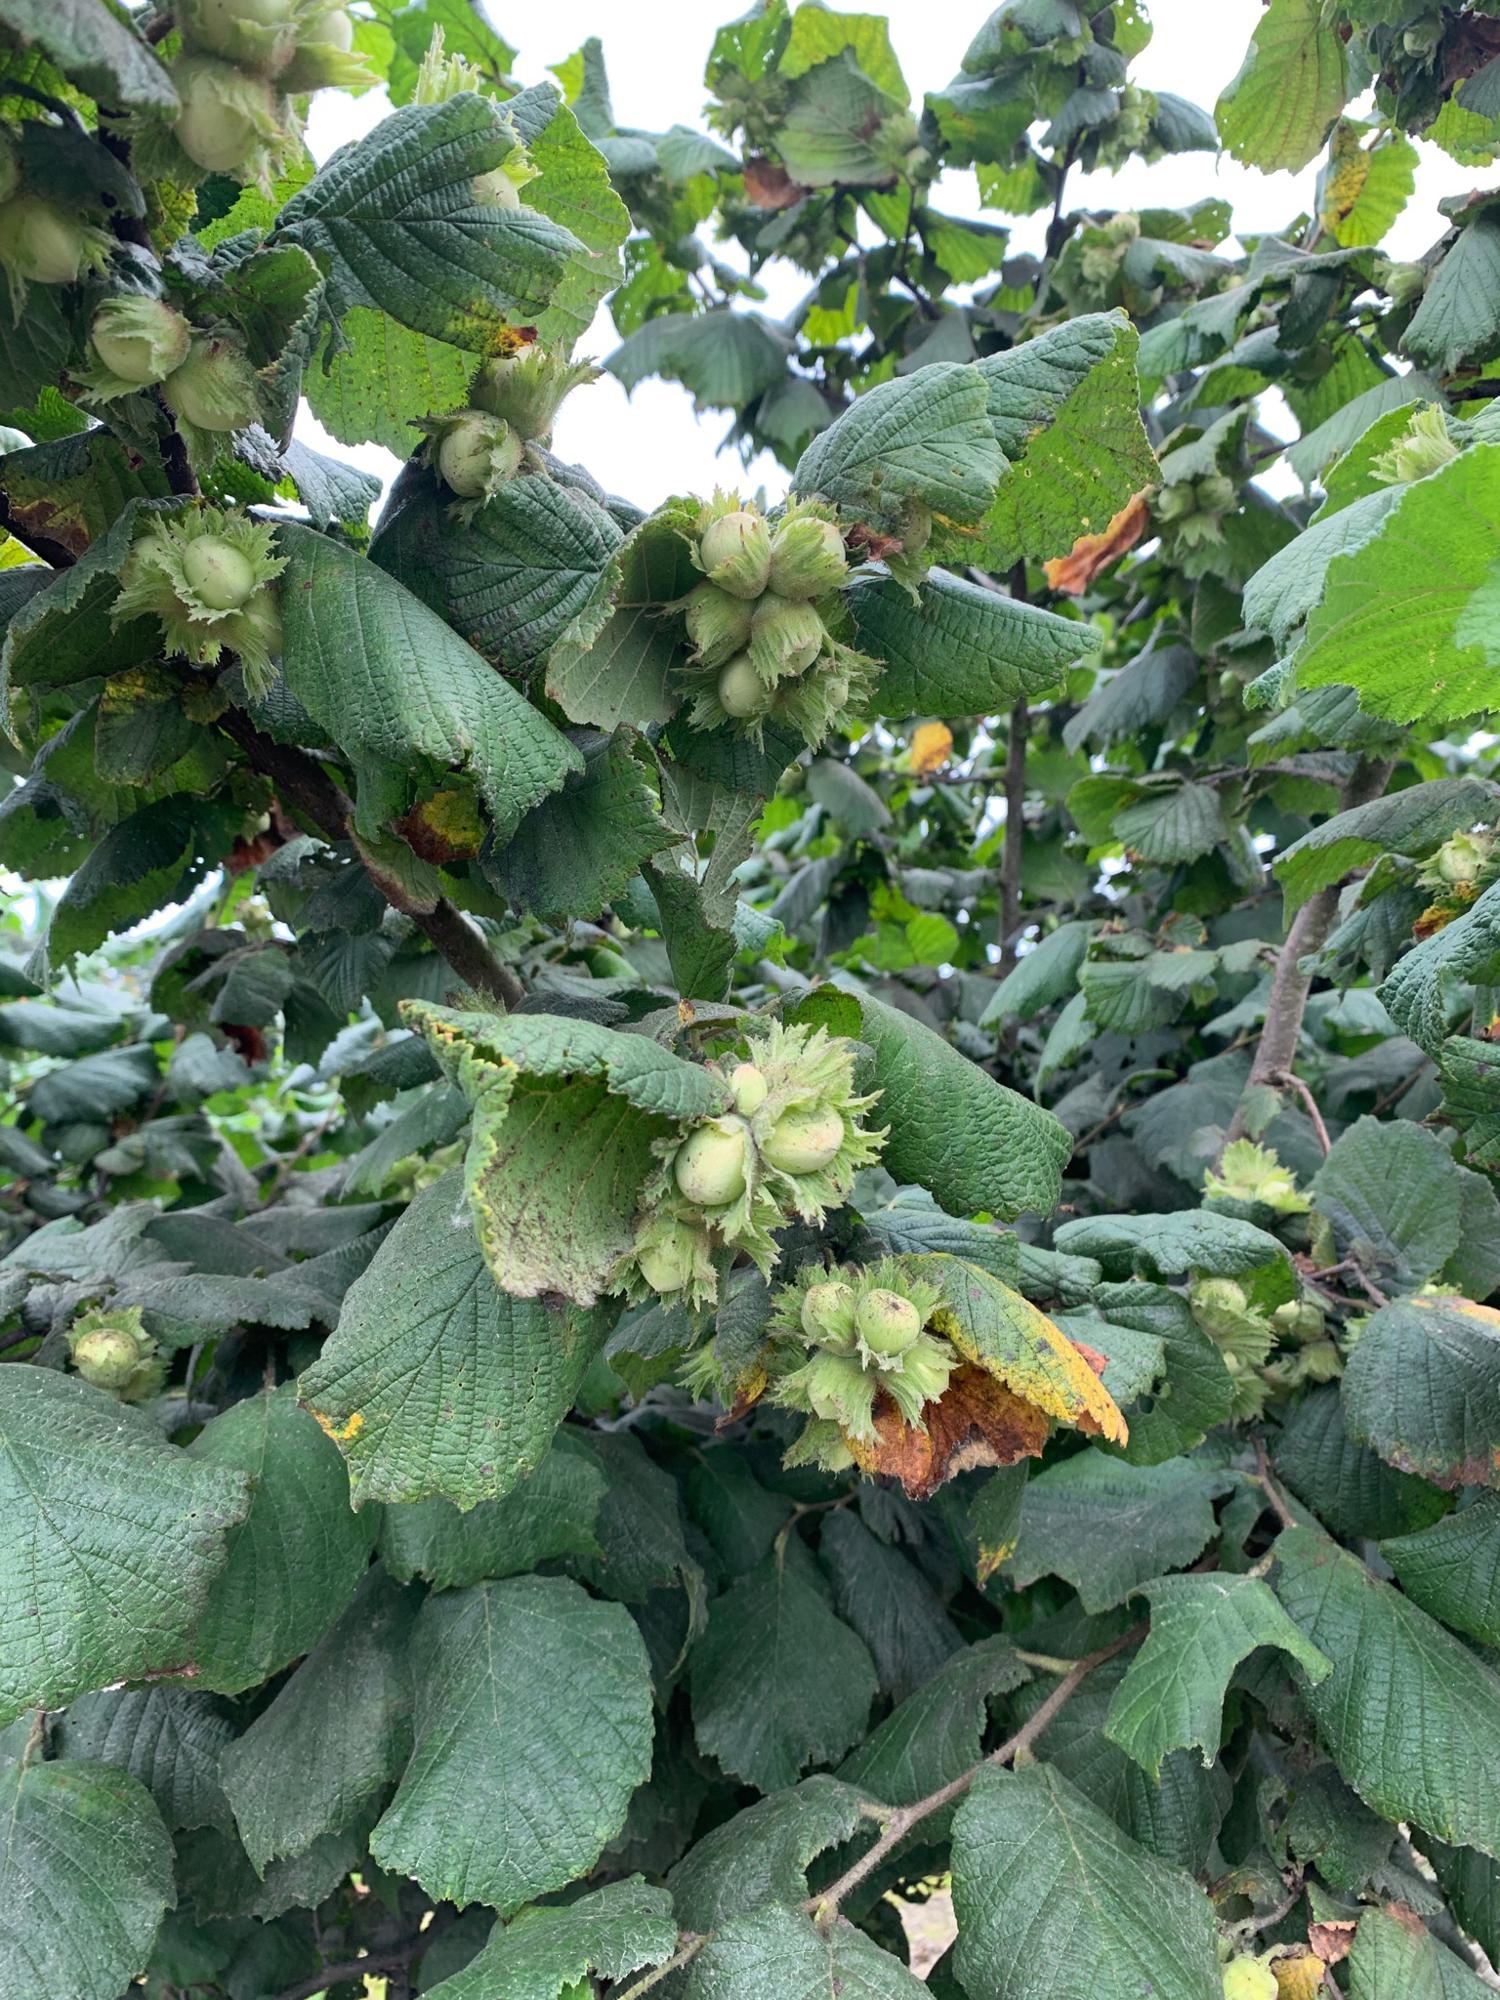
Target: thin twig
[685, 1953]
[1268, 1486]
[1294, 1082]
[826, 1906]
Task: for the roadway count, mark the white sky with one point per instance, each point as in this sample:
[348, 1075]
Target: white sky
[652, 444]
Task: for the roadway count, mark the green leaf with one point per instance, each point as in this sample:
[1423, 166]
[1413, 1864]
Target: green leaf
[1416, 993]
[1142, 695]
[169, 1739]
[922, 443]
[1328, 1824]
[548, 1953]
[773, 1629]
[85, 1877]
[1166, 1246]
[357, 646]
[1470, 1072]
[533, 1728]
[565, 1113]
[575, 853]
[1202, 1627]
[1471, 1882]
[828, 135]
[762, 1854]
[1043, 1882]
[961, 649]
[1290, 88]
[296, 1559]
[553, 1512]
[724, 358]
[533, 562]
[780, 1951]
[1410, 619]
[1365, 188]
[382, 379]
[95, 49]
[113, 1539]
[1181, 822]
[318, 1759]
[973, 1144]
[1066, 410]
[1398, 1200]
[1423, 1388]
[427, 1316]
[889, 1603]
[640, 1542]
[1176, 1817]
[573, 188]
[392, 222]
[1344, 1482]
[1409, 1715]
[1457, 321]
[1452, 1569]
[1394, 1960]
[1161, 1517]
[936, 1734]
[1411, 822]
[155, 856]
[622, 670]
[1045, 975]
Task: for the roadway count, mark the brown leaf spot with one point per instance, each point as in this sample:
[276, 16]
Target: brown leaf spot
[1331, 1942]
[977, 1422]
[770, 186]
[1074, 572]
[862, 540]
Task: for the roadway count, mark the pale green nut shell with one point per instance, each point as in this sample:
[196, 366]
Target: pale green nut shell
[140, 340]
[888, 1324]
[221, 576]
[107, 1357]
[735, 551]
[827, 1315]
[40, 241]
[804, 1142]
[742, 692]
[710, 1167]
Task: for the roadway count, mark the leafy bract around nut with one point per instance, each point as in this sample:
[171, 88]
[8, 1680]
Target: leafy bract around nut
[209, 576]
[788, 1144]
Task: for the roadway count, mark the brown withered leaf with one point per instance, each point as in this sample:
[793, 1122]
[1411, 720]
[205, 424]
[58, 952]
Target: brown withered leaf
[863, 540]
[1299, 1975]
[976, 1422]
[1331, 1942]
[1074, 572]
[770, 186]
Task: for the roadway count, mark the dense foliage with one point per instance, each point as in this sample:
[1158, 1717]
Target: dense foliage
[798, 1200]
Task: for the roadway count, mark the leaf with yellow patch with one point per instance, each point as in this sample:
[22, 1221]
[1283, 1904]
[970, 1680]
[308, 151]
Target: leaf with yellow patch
[931, 747]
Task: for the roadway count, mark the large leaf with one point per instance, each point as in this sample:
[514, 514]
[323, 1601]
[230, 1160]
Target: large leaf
[574, 853]
[1457, 321]
[565, 1113]
[392, 222]
[548, 1953]
[112, 1540]
[1066, 410]
[725, 358]
[1202, 1627]
[1345, 1483]
[95, 49]
[1410, 1716]
[1417, 994]
[1399, 1202]
[296, 1559]
[889, 1603]
[533, 1728]
[573, 188]
[968, 1140]
[171, 1740]
[1411, 618]
[1160, 1517]
[382, 379]
[961, 649]
[1165, 1246]
[1409, 822]
[780, 1951]
[1423, 1388]
[1290, 88]
[390, 682]
[1055, 1903]
[762, 1854]
[554, 1512]
[1396, 1959]
[1003, 1333]
[1452, 1569]
[85, 1877]
[936, 1734]
[922, 444]
[774, 1630]
[317, 1759]
[436, 1382]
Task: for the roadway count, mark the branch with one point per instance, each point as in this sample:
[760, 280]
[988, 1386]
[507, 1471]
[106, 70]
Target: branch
[826, 1906]
[685, 1953]
[1268, 1486]
[1281, 1036]
[304, 786]
[1015, 834]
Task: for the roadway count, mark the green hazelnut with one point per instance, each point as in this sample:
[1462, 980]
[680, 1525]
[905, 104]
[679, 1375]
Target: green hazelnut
[710, 1167]
[888, 1324]
[804, 1142]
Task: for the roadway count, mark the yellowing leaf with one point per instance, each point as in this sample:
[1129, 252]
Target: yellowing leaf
[931, 747]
